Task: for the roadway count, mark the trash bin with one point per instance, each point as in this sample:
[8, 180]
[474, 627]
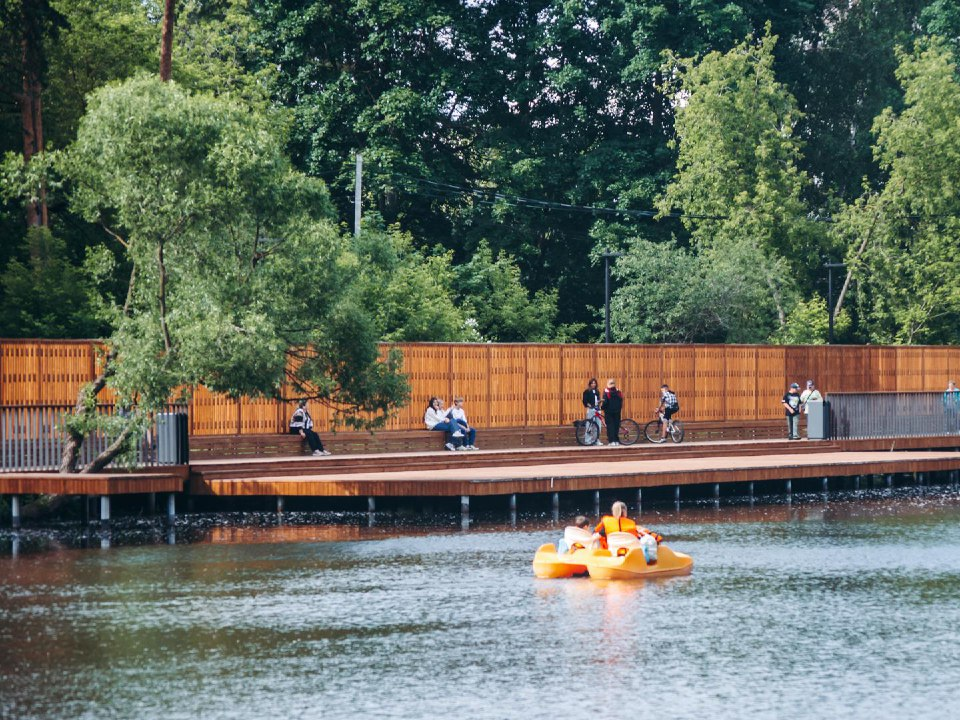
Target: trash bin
[173, 442]
[818, 420]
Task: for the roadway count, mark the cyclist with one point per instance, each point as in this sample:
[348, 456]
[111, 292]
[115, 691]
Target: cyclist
[667, 407]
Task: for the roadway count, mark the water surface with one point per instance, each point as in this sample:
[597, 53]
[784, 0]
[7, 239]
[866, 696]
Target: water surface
[848, 608]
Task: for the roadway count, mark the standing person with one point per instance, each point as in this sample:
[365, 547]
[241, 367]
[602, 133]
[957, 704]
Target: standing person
[435, 418]
[459, 415]
[591, 401]
[811, 394]
[791, 406]
[951, 407]
[612, 406]
[667, 407]
[302, 424]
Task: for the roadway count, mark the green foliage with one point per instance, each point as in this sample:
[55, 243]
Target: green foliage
[235, 260]
[809, 324]
[668, 293]
[408, 291]
[504, 309]
[903, 237]
[43, 295]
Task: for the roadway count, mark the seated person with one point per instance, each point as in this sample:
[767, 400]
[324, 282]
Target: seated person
[617, 521]
[436, 419]
[302, 424]
[458, 414]
[575, 537]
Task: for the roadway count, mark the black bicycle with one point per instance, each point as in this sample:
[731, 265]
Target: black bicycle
[588, 431]
[653, 430]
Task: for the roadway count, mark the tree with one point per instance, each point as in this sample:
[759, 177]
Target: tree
[902, 236]
[44, 295]
[737, 182]
[235, 278]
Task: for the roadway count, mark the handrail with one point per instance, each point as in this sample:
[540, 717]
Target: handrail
[893, 414]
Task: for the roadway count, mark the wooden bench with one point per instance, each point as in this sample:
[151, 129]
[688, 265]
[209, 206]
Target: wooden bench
[211, 447]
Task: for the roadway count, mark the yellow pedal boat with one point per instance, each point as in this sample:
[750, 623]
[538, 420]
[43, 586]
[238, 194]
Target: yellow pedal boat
[604, 565]
[548, 563]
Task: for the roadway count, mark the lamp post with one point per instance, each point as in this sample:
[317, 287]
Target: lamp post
[606, 290]
[830, 266]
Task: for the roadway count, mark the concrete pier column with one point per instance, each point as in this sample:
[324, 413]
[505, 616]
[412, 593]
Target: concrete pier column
[788, 487]
[512, 507]
[826, 484]
[105, 512]
[279, 504]
[716, 491]
[639, 500]
[84, 510]
[555, 504]
[15, 512]
[464, 512]
[596, 502]
[371, 503]
[151, 503]
[856, 483]
[889, 480]
[172, 509]
[922, 478]
[676, 493]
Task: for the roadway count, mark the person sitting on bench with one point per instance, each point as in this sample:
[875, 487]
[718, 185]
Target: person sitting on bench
[435, 418]
[459, 415]
[302, 424]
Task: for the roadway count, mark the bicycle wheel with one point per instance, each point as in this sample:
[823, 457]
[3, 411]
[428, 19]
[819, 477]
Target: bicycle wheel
[629, 432]
[588, 432]
[676, 431]
[651, 431]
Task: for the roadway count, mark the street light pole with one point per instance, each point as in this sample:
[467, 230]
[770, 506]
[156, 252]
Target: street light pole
[830, 266]
[606, 291]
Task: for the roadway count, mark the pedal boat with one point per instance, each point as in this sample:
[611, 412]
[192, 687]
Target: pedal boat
[548, 563]
[604, 565]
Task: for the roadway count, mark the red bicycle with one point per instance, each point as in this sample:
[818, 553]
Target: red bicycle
[588, 431]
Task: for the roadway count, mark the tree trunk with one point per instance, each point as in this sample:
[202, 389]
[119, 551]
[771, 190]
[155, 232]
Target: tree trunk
[71, 451]
[31, 110]
[166, 40]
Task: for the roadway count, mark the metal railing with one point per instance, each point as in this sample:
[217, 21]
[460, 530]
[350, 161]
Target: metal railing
[32, 438]
[894, 414]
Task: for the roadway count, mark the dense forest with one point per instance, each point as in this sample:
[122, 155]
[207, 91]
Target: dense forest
[728, 151]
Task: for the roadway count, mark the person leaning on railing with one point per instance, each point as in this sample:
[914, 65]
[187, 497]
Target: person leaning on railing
[951, 407]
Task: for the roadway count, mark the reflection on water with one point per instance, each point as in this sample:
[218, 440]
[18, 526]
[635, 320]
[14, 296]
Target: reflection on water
[847, 608]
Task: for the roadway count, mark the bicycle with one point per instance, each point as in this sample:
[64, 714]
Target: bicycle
[653, 429]
[588, 431]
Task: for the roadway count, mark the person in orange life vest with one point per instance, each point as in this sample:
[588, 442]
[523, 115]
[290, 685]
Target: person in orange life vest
[617, 521]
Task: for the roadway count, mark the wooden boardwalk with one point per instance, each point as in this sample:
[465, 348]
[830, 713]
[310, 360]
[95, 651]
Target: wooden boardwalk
[542, 470]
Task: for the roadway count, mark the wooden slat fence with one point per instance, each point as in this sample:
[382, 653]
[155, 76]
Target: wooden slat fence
[507, 385]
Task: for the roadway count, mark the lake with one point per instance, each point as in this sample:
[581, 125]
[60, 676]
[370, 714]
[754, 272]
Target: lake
[840, 606]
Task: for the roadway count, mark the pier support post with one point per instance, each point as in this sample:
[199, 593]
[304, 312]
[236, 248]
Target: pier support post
[555, 504]
[716, 491]
[750, 490]
[889, 480]
[788, 486]
[279, 504]
[856, 483]
[512, 505]
[151, 503]
[826, 484]
[676, 493]
[922, 479]
[464, 512]
[596, 502]
[104, 512]
[371, 503]
[84, 510]
[172, 509]
[639, 500]
[15, 512]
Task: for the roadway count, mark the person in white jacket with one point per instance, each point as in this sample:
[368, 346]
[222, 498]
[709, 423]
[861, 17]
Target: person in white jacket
[435, 418]
[458, 414]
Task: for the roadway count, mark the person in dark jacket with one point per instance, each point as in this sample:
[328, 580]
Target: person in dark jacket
[612, 406]
[591, 401]
[302, 424]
